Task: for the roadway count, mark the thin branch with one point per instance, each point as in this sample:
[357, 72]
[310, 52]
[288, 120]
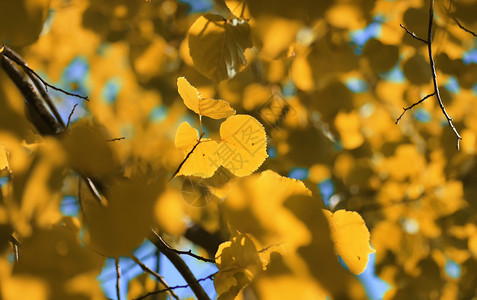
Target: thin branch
[116, 139]
[118, 277]
[414, 35]
[463, 28]
[211, 276]
[10, 54]
[187, 156]
[189, 252]
[69, 117]
[15, 246]
[412, 106]
[153, 273]
[180, 265]
[433, 70]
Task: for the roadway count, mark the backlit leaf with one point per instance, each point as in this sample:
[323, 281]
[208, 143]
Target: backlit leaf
[215, 109]
[21, 21]
[351, 238]
[238, 261]
[244, 145]
[217, 45]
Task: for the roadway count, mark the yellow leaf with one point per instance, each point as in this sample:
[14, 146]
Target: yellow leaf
[3, 161]
[217, 45]
[198, 161]
[238, 261]
[244, 145]
[215, 109]
[121, 226]
[186, 137]
[351, 238]
[21, 21]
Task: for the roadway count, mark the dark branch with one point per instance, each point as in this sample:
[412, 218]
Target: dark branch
[153, 273]
[118, 277]
[180, 265]
[199, 236]
[39, 114]
[13, 56]
[116, 139]
[187, 157]
[463, 28]
[433, 70]
[69, 117]
[175, 287]
[198, 257]
[412, 106]
[413, 34]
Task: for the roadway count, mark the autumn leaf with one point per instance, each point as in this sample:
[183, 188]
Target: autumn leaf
[119, 227]
[238, 261]
[351, 238]
[198, 162]
[244, 145]
[217, 45]
[215, 109]
[242, 150]
[21, 21]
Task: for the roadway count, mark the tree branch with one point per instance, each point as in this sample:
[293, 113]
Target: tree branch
[463, 28]
[198, 257]
[153, 273]
[175, 287]
[412, 106]
[414, 35]
[433, 70]
[19, 61]
[118, 277]
[40, 116]
[180, 265]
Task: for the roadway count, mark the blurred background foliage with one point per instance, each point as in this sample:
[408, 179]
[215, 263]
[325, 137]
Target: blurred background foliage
[327, 79]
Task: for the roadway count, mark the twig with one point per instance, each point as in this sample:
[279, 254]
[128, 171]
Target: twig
[433, 70]
[153, 273]
[118, 277]
[189, 252]
[414, 35]
[10, 54]
[412, 106]
[180, 265]
[116, 139]
[16, 252]
[463, 28]
[187, 157]
[69, 117]
[175, 287]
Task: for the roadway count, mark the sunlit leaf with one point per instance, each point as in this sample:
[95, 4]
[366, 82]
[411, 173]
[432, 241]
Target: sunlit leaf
[215, 109]
[351, 238]
[244, 145]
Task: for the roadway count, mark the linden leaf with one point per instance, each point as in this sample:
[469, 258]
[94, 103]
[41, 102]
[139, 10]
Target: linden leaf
[244, 145]
[351, 238]
[186, 137]
[212, 108]
[238, 261]
[121, 226]
[21, 21]
[217, 45]
[198, 162]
